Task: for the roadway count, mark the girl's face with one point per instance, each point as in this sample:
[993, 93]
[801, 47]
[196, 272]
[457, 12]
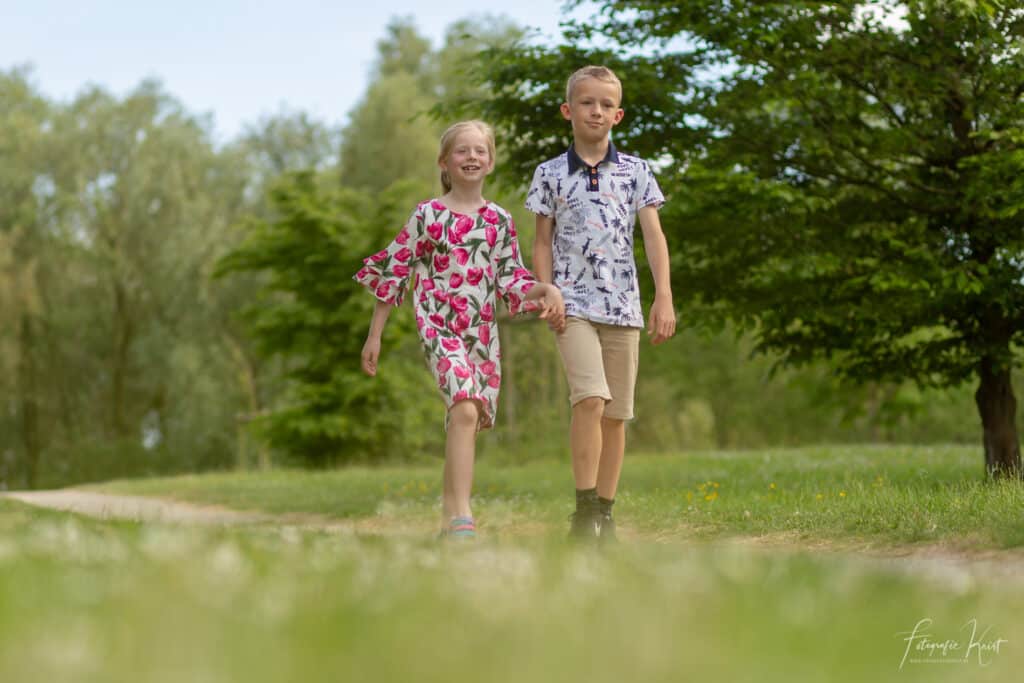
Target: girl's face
[470, 160]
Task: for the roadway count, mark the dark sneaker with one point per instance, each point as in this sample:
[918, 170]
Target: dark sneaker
[586, 525]
[606, 530]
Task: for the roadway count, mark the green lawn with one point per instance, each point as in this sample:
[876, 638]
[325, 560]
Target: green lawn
[848, 496]
[84, 600]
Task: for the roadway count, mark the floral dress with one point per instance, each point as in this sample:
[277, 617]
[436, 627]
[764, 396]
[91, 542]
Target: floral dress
[462, 261]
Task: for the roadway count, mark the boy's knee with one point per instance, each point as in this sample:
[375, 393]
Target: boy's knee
[592, 406]
[612, 422]
[464, 414]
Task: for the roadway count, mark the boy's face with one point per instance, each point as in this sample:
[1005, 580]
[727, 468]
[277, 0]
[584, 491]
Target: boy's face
[594, 109]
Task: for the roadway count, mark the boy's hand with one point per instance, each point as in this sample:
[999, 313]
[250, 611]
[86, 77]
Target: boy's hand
[371, 353]
[552, 307]
[661, 324]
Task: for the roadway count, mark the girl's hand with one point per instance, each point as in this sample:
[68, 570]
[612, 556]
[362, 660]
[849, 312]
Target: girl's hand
[371, 353]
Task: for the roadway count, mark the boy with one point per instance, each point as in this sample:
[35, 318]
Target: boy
[587, 201]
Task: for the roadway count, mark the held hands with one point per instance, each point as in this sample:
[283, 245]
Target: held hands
[550, 306]
[371, 353]
[661, 324]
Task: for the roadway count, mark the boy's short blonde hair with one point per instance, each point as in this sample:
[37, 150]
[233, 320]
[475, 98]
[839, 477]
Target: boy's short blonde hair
[601, 73]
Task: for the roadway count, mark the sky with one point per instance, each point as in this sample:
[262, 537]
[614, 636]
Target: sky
[237, 60]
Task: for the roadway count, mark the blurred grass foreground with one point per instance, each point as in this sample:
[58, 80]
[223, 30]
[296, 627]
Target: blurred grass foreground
[90, 600]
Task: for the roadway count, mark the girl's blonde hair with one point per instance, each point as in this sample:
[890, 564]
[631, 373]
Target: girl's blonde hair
[448, 141]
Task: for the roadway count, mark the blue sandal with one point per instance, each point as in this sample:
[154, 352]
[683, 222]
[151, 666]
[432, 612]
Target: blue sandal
[461, 528]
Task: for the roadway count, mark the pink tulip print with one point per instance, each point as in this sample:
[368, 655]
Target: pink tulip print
[464, 264]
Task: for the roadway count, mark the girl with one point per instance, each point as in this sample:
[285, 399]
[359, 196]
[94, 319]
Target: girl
[464, 251]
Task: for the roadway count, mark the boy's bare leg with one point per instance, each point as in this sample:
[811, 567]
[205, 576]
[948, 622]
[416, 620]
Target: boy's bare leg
[613, 450]
[459, 454]
[585, 441]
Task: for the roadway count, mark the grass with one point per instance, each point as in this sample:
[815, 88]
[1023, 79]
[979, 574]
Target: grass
[844, 495]
[84, 600]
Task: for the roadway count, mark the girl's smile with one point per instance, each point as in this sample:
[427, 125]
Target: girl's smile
[470, 159]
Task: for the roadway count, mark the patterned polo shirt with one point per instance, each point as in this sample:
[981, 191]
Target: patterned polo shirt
[595, 209]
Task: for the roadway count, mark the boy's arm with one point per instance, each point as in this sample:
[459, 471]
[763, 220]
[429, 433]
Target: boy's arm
[542, 259]
[371, 349]
[543, 268]
[662, 320]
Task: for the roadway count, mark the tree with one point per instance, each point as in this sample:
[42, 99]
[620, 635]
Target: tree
[24, 116]
[109, 208]
[311, 313]
[389, 136]
[285, 142]
[844, 176]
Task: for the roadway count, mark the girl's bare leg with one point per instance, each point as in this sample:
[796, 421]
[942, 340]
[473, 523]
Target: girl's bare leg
[459, 454]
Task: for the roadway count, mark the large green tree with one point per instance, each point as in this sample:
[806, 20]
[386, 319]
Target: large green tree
[844, 176]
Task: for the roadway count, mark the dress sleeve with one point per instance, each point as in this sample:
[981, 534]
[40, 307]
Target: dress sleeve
[512, 278]
[386, 273]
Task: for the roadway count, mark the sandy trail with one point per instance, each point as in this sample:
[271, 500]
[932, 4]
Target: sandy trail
[136, 508]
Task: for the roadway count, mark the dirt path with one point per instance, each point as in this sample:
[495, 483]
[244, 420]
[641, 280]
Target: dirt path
[152, 509]
[137, 508]
[946, 563]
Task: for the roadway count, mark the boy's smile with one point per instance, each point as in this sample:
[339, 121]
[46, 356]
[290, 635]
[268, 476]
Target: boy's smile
[594, 109]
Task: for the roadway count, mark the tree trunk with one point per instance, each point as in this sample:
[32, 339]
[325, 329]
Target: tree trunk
[29, 399]
[123, 337]
[998, 409]
[248, 379]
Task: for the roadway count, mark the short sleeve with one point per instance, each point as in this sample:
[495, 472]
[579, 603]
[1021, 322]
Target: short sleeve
[647, 191]
[538, 198]
[386, 273]
[513, 279]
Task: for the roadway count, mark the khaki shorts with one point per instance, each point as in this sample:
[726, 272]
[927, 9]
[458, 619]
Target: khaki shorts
[601, 360]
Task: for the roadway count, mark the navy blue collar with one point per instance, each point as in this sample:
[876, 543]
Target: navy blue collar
[576, 163]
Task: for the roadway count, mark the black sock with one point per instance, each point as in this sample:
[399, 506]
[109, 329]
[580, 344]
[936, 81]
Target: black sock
[604, 506]
[586, 499]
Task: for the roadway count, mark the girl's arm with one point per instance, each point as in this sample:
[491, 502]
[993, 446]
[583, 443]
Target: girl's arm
[371, 349]
[549, 304]
[662, 319]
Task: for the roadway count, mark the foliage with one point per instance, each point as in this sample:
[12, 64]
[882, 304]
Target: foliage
[108, 247]
[310, 311]
[119, 355]
[841, 174]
